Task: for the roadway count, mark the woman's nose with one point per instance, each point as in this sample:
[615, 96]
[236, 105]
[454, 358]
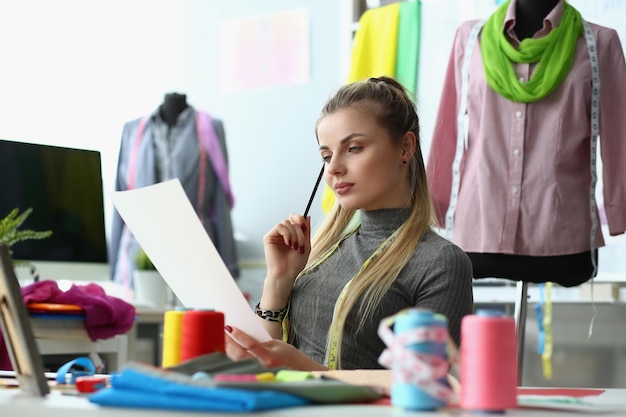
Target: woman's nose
[335, 166]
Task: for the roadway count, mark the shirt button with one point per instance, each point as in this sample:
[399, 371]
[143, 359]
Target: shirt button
[514, 190]
[521, 79]
[518, 113]
[516, 152]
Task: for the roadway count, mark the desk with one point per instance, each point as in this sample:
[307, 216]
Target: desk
[13, 403]
[143, 342]
[148, 328]
[69, 337]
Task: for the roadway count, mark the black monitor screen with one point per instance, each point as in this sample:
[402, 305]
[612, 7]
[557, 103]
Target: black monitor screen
[63, 186]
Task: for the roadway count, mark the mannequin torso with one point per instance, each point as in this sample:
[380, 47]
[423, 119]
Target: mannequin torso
[529, 15]
[173, 105]
[567, 270]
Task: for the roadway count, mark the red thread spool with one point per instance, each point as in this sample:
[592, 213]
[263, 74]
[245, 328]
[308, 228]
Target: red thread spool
[488, 362]
[202, 333]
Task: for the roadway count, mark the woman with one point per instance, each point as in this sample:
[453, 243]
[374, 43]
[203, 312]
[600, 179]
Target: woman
[337, 288]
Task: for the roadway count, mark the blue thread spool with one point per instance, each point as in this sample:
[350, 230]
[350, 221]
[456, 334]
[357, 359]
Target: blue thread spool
[408, 395]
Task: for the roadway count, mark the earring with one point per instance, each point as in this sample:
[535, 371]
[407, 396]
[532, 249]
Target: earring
[404, 162]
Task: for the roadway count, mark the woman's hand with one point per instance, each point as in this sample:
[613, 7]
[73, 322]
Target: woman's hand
[287, 247]
[274, 353]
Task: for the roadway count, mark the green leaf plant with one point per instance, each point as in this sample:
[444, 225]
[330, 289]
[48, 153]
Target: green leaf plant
[143, 262]
[11, 234]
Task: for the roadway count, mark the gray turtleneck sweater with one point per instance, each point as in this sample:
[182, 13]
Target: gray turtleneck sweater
[438, 277]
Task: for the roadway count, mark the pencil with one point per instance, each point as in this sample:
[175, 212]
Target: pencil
[317, 183]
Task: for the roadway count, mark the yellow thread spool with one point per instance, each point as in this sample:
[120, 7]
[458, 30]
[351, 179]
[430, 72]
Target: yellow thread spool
[172, 333]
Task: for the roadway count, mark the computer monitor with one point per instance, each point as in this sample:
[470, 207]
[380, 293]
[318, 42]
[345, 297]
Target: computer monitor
[63, 186]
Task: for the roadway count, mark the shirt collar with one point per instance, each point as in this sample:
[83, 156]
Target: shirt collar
[552, 20]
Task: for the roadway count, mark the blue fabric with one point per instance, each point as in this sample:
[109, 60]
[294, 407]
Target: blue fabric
[137, 389]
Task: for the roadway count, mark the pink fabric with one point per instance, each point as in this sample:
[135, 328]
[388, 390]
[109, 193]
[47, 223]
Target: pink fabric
[525, 176]
[105, 316]
[214, 151]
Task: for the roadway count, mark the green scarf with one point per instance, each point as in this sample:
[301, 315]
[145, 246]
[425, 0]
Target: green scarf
[554, 54]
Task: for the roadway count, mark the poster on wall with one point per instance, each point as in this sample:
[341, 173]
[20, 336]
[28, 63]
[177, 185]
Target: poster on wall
[264, 51]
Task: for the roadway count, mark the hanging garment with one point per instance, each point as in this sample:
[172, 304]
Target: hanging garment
[375, 43]
[194, 151]
[523, 183]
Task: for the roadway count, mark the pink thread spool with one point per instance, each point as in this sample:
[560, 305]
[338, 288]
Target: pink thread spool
[488, 362]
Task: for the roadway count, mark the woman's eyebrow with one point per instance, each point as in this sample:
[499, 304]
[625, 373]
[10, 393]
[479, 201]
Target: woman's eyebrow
[344, 140]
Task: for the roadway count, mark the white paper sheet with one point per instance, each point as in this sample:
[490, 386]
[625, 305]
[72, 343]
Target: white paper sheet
[166, 226]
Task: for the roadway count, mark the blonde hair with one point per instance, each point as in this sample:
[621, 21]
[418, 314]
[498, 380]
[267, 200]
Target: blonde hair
[390, 105]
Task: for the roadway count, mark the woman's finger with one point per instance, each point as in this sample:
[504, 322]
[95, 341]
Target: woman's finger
[289, 232]
[242, 338]
[235, 351]
[260, 351]
[300, 225]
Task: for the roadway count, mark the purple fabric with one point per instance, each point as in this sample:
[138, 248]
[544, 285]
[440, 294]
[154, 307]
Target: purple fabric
[5, 361]
[105, 316]
[214, 151]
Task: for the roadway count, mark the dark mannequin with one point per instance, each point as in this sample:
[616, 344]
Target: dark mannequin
[173, 105]
[529, 15]
[567, 270]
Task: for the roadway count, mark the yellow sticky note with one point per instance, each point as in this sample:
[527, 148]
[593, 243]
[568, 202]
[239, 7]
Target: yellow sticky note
[286, 375]
[265, 377]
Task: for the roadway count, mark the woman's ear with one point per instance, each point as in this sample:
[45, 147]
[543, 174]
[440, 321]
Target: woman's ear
[408, 145]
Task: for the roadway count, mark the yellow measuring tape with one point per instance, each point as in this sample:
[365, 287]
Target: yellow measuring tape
[332, 352]
[544, 323]
[329, 252]
[546, 356]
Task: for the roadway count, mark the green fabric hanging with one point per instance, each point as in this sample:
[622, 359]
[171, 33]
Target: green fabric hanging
[554, 54]
[407, 55]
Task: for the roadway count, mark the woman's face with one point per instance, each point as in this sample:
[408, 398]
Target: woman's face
[363, 165]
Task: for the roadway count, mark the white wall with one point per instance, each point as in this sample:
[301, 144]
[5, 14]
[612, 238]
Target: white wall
[73, 72]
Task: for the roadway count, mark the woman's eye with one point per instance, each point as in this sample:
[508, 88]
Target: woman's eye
[326, 158]
[352, 149]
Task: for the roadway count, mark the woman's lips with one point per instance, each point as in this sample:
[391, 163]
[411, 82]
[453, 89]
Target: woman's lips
[343, 187]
